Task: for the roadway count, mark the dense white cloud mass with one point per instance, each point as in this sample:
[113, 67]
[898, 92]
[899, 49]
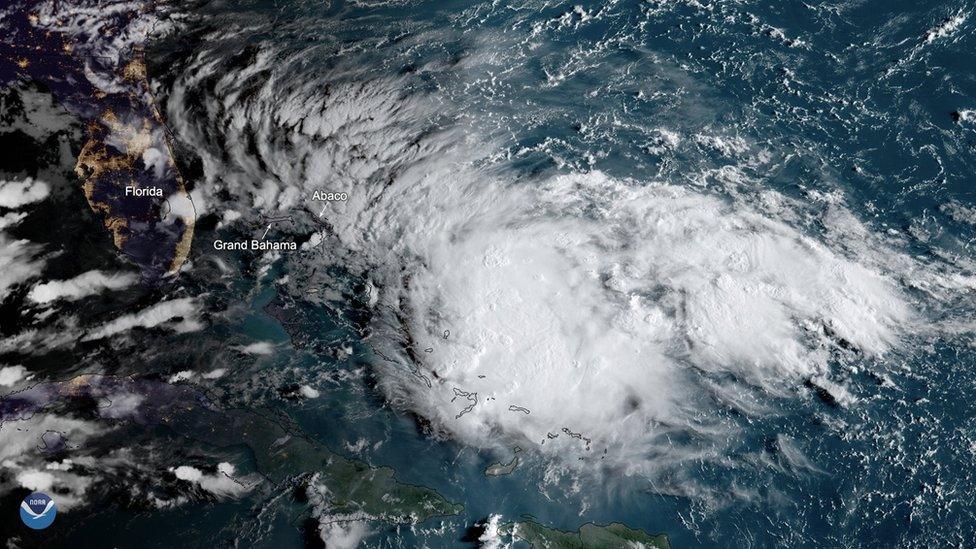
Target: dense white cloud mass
[177, 314]
[19, 262]
[491, 538]
[14, 194]
[38, 481]
[11, 219]
[258, 348]
[337, 530]
[573, 313]
[343, 534]
[222, 484]
[83, 285]
[19, 259]
[604, 308]
[10, 375]
[22, 442]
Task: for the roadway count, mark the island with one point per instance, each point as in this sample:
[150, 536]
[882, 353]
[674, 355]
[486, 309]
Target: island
[589, 536]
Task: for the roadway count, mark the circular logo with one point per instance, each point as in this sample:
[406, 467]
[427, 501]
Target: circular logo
[38, 511]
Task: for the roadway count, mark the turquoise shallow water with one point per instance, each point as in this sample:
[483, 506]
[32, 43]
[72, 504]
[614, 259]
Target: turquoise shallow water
[812, 114]
[859, 99]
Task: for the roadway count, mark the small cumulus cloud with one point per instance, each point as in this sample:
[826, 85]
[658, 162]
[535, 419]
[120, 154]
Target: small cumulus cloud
[222, 484]
[14, 194]
[10, 375]
[259, 348]
[83, 285]
[180, 313]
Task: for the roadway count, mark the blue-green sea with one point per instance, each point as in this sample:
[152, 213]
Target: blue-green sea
[846, 128]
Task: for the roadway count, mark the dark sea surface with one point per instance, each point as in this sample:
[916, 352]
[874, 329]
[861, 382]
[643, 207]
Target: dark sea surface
[864, 100]
[840, 110]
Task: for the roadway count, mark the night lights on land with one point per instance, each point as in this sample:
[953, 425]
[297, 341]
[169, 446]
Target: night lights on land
[147, 191]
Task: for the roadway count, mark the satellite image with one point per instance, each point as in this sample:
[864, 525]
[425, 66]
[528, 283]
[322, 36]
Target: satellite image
[487, 273]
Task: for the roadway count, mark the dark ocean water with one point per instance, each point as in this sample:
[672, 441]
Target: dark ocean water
[863, 100]
[868, 105]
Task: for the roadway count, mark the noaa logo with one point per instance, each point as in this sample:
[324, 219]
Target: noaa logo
[38, 511]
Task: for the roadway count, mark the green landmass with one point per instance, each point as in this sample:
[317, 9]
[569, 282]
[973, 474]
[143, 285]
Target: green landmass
[589, 536]
[353, 485]
[282, 452]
